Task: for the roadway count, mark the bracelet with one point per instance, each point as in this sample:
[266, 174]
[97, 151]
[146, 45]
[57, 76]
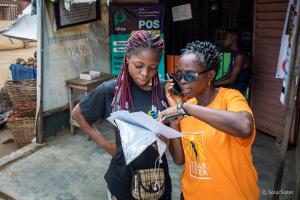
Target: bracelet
[180, 108]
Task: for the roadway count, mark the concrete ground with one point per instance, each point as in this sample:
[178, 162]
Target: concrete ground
[266, 158]
[72, 168]
[10, 56]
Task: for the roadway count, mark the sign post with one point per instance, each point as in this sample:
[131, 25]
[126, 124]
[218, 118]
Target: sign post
[287, 48]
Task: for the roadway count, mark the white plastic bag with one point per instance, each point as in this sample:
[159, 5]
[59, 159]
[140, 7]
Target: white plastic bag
[136, 139]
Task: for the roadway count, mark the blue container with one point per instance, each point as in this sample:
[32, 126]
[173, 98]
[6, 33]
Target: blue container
[20, 72]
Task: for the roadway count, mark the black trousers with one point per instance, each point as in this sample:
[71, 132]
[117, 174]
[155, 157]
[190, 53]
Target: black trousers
[181, 196]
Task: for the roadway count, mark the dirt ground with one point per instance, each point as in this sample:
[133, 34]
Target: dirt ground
[7, 144]
[10, 56]
[8, 43]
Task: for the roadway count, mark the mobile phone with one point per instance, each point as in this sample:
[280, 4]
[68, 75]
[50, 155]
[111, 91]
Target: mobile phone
[168, 118]
[176, 89]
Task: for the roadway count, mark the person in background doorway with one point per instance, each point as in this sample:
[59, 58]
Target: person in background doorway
[218, 129]
[239, 69]
[138, 88]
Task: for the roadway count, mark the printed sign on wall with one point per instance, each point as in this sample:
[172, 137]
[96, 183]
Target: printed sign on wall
[127, 18]
[288, 41]
[80, 13]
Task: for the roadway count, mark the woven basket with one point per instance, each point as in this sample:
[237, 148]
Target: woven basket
[22, 94]
[22, 130]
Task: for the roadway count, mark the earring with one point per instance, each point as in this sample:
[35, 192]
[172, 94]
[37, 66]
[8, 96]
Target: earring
[208, 83]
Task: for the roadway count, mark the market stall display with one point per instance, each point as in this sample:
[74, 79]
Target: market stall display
[5, 104]
[31, 62]
[19, 72]
[21, 122]
[22, 129]
[24, 68]
[23, 96]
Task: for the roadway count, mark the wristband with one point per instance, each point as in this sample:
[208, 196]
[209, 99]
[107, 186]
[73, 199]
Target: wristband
[180, 108]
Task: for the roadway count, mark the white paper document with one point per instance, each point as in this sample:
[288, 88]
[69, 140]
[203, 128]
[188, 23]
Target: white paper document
[183, 12]
[134, 140]
[143, 120]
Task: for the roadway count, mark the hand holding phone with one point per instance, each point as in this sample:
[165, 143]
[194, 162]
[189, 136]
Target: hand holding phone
[176, 88]
[168, 118]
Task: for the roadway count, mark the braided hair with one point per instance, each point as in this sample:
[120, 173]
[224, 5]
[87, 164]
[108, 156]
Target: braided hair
[139, 40]
[206, 53]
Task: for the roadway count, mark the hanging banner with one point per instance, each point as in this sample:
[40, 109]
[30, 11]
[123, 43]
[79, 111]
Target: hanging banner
[127, 18]
[287, 45]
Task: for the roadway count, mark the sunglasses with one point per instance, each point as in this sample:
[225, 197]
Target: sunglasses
[187, 76]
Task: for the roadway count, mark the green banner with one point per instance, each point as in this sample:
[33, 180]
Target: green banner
[127, 18]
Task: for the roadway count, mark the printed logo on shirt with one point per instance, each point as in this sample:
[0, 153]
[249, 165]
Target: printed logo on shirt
[193, 144]
[153, 114]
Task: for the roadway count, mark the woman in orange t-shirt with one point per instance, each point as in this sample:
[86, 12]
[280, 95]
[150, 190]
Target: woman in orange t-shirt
[218, 131]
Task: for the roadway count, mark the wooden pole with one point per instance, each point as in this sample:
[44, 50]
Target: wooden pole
[6, 196]
[298, 165]
[293, 84]
[297, 154]
[40, 78]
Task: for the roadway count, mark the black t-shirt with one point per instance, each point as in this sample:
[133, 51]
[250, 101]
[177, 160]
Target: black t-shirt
[118, 176]
[242, 81]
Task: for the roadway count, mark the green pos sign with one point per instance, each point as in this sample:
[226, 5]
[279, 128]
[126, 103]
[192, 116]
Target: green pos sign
[127, 18]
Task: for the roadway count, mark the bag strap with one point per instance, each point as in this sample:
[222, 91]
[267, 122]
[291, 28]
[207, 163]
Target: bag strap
[116, 102]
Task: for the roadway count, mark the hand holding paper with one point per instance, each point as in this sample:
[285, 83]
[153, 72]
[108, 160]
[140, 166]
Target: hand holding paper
[138, 131]
[143, 120]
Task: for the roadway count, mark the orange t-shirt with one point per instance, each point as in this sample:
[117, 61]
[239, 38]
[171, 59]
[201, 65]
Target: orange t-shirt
[218, 165]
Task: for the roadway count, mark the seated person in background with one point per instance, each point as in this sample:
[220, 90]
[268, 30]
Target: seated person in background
[239, 70]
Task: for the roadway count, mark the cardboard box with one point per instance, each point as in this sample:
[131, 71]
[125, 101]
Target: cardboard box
[90, 75]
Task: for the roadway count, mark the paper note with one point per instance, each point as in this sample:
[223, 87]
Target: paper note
[183, 12]
[145, 121]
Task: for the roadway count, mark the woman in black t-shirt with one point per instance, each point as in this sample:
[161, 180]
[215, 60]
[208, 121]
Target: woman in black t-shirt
[137, 88]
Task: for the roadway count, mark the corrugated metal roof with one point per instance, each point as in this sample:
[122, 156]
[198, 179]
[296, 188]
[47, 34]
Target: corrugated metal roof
[269, 113]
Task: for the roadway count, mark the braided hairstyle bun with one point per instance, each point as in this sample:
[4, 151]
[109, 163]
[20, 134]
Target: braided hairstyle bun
[206, 53]
[144, 40]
